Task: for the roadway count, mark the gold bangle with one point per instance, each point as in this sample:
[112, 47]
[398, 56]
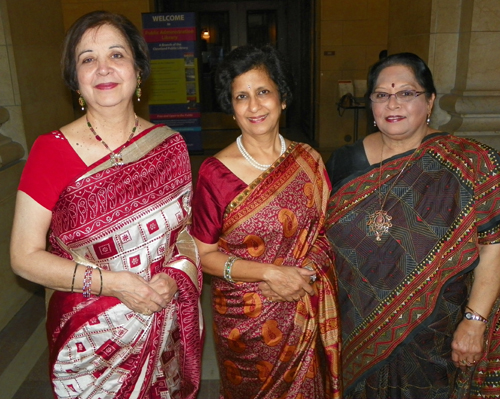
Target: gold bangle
[100, 275]
[74, 274]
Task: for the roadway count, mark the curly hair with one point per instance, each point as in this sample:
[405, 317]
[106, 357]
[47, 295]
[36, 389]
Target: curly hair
[420, 69]
[245, 58]
[96, 19]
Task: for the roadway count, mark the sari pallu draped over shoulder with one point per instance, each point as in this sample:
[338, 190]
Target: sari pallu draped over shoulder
[131, 218]
[279, 349]
[402, 298]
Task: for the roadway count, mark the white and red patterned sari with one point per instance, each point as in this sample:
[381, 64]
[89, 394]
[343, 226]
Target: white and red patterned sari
[128, 218]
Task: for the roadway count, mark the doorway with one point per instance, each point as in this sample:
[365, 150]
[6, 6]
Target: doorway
[286, 24]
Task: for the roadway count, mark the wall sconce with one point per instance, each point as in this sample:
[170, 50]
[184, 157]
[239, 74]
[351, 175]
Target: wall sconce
[205, 34]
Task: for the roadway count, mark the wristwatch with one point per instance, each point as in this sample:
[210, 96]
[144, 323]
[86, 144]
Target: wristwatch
[472, 316]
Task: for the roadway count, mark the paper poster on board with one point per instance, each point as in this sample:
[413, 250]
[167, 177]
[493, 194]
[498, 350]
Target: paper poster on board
[174, 96]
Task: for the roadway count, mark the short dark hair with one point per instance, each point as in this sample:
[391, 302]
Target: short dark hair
[245, 58]
[96, 19]
[414, 62]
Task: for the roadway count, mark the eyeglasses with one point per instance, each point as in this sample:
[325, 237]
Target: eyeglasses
[403, 96]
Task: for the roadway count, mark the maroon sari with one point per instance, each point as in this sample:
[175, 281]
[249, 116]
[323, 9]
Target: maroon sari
[276, 349]
[130, 218]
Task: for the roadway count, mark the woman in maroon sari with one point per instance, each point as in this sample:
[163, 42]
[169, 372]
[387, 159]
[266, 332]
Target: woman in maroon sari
[113, 192]
[258, 216]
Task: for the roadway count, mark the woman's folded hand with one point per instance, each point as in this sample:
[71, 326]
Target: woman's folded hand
[286, 283]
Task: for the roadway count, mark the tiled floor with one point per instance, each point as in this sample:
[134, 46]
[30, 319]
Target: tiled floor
[23, 346]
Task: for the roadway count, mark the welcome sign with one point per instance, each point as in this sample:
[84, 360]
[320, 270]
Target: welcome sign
[174, 96]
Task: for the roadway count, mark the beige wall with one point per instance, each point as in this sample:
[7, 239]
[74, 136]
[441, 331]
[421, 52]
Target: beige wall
[9, 89]
[356, 31]
[409, 27]
[36, 30]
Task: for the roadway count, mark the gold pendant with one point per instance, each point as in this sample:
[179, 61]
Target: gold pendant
[379, 223]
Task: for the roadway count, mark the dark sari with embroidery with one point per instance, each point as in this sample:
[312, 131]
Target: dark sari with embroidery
[401, 298]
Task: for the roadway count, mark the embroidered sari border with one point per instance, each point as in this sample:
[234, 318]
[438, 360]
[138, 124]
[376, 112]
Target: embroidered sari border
[136, 149]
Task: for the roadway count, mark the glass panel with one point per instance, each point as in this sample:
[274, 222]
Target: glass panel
[261, 27]
[214, 36]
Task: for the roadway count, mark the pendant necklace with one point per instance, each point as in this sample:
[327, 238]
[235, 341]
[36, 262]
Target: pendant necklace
[379, 221]
[115, 157]
[252, 161]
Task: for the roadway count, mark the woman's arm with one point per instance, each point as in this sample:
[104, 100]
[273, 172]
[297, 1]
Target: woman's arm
[287, 282]
[30, 260]
[468, 340]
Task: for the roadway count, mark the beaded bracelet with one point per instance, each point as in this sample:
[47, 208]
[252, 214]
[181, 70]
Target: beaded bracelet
[87, 282]
[473, 311]
[227, 268]
[73, 280]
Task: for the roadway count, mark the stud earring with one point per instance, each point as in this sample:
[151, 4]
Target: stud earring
[81, 101]
[138, 90]
[234, 117]
[374, 123]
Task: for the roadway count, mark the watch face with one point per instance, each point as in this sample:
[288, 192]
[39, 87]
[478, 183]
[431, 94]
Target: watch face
[468, 316]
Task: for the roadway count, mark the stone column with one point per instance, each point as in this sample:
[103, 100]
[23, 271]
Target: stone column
[472, 105]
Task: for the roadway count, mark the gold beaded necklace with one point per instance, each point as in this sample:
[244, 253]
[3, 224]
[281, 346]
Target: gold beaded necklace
[115, 157]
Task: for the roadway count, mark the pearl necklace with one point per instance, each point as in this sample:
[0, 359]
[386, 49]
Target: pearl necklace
[115, 157]
[252, 161]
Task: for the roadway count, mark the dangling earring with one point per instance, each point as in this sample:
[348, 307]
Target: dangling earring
[138, 90]
[428, 119]
[81, 101]
[374, 123]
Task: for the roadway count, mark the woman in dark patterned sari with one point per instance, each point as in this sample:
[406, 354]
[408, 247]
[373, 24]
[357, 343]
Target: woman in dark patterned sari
[415, 225]
[258, 215]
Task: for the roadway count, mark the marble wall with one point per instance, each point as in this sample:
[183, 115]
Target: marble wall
[34, 101]
[472, 106]
[351, 36]
[12, 295]
[9, 88]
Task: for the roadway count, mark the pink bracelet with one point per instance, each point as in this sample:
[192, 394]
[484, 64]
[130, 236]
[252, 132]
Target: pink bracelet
[87, 282]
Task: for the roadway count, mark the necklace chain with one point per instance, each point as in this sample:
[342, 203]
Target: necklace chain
[379, 221]
[252, 161]
[115, 157]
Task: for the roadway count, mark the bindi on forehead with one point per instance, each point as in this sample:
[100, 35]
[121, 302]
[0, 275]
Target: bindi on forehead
[393, 85]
